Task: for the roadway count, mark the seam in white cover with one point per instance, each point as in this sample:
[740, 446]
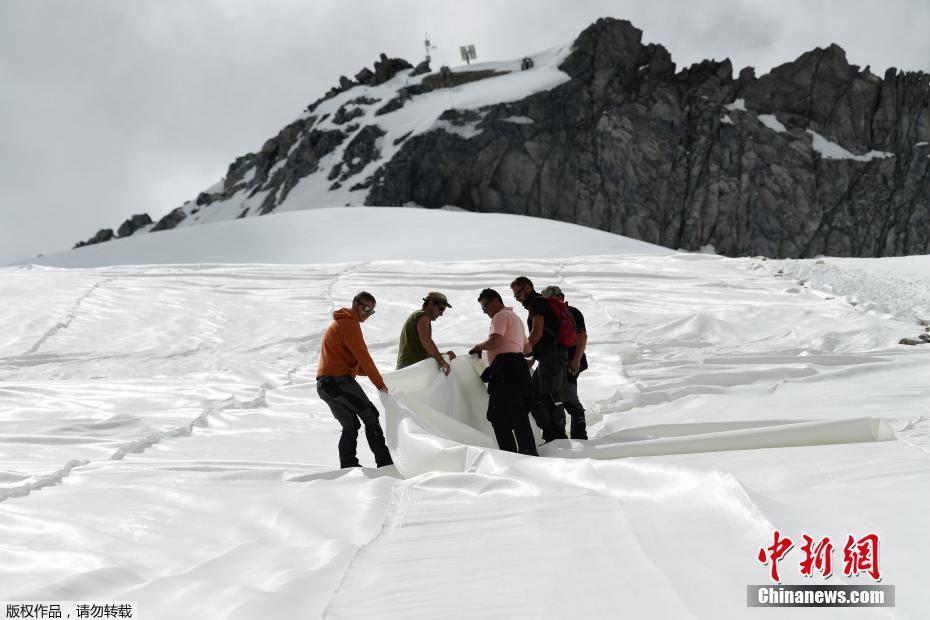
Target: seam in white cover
[393, 517]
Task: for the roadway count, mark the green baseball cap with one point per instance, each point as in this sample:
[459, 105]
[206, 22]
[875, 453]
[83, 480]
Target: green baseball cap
[437, 297]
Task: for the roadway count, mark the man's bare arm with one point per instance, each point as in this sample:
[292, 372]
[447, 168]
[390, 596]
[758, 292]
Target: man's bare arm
[425, 333]
[493, 341]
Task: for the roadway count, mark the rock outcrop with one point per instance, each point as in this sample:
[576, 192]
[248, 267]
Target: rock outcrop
[695, 157]
[175, 217]
[126, 229]
[385, 69]
[815, 157]
[133, 224]
[104, 234]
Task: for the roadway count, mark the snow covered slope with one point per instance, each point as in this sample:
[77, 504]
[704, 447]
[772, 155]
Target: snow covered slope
[163, 441]
[341, 235]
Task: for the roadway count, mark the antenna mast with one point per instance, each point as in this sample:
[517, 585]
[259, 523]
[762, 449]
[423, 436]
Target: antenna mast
[429, 47]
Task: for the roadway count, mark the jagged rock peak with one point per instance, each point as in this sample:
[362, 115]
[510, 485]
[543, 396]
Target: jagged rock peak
[384, 69]
[814, 157]
[607, 44]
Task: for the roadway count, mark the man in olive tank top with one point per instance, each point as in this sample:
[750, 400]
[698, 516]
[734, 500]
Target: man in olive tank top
[416, 337]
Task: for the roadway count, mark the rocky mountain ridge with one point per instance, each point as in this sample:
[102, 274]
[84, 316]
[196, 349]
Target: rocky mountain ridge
[816, 157]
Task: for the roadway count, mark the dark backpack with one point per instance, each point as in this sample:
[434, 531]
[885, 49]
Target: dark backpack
[567, 335]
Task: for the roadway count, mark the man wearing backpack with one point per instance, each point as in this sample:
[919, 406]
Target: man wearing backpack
[549, 376]
[577, 362]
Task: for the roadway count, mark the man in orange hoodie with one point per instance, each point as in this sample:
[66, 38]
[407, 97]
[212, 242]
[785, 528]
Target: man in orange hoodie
[344, 356]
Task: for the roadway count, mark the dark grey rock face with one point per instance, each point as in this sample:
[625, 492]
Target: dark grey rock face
[104, 234]
[361, 151]
[364, 76]
[301, 162]
[364, 100]
[281, 163]
[393, 105]
[171, 220]
[630, 146]
[386, 68]
[343, 115]
[133, 224]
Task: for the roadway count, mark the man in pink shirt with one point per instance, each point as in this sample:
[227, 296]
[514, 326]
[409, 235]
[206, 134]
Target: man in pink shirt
[509, 384]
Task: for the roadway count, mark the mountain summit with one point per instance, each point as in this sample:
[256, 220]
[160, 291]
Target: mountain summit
[816, 157]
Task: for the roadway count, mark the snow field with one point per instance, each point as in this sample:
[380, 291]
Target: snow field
[163, 442]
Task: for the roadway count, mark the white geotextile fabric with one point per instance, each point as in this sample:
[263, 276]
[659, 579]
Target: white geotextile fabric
[425, 405]
[664, 536]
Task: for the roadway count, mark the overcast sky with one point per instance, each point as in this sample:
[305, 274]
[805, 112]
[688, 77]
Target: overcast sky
[113, 107]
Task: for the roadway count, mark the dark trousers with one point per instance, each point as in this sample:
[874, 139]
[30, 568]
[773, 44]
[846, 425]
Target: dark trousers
[348, 403]
[546, 393]
[508, 404]
[574, 408]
